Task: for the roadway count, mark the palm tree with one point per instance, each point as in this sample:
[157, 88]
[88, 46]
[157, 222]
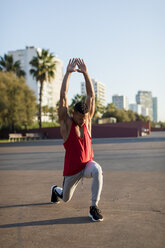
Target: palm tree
[7, 64]
[43, 71]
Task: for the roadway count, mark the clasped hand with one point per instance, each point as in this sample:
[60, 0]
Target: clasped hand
[76, 62]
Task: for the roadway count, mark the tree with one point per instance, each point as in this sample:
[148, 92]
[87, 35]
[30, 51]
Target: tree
[120, 114]
[45, 109]
[131, 115]
[110, 107]
[43, 71]
[7, 64]
[17, 102]
[142, 118]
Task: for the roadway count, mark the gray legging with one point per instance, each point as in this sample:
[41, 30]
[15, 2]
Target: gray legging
[92, 170]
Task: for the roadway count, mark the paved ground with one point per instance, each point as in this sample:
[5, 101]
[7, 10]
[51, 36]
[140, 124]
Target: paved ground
[132, 202]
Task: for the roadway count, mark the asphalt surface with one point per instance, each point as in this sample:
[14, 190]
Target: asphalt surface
[132, 201]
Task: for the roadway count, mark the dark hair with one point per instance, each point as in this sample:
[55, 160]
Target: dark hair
[81, 107]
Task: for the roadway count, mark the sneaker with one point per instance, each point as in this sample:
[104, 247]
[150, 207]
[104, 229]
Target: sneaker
[54, 197]
[95, 214]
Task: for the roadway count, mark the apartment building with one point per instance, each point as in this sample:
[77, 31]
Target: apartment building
[120, 101]
[51, 90]
[99, 89]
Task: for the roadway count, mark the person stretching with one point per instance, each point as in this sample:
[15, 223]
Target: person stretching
[76, 133]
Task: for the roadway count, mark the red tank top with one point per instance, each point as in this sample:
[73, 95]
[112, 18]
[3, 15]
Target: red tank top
[78, 151]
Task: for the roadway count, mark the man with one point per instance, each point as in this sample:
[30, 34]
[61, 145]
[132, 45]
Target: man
[76, 133]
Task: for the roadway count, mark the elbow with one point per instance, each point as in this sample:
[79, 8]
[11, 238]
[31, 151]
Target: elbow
[93, 95]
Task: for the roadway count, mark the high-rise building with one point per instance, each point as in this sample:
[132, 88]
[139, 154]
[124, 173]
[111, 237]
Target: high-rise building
[155, 107]
[144, 98]
[99, 89]
[120, 101]
[51, 90]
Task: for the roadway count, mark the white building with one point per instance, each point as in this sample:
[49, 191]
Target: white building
[139, 109]
[99, 89]
[145, 111]
[120, 101]
[51, 91]
[144, 98]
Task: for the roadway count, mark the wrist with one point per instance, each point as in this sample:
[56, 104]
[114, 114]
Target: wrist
[85, 73]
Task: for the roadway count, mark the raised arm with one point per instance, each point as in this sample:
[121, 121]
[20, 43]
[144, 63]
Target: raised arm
[64, 89]
[90, 100]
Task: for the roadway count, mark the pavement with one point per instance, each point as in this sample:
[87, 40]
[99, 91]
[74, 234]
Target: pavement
[132, 200]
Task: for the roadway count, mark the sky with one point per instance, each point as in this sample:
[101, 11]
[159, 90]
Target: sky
[121, 41]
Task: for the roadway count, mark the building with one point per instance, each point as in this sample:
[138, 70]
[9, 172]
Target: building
[144, 98]
[136, 108]
[51, 91]
[155, 107]
[99, 89]
[145, 111]
[120, 101]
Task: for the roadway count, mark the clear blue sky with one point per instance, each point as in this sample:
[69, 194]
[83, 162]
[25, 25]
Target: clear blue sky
[121, 41]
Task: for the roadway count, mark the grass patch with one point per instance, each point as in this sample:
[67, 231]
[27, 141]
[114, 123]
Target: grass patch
[44, 124]
[4, 140]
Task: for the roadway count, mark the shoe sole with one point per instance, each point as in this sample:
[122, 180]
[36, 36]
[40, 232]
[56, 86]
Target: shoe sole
[51, 195]
[99, 220]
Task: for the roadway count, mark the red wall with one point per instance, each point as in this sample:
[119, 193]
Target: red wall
[121, 129]
[48, 132]
[110, 131]
[157, 129]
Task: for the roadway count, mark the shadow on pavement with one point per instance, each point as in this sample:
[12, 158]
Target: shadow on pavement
[62, 221]
[27, 205]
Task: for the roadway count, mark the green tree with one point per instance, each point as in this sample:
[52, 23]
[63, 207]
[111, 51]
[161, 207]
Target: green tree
[45, 109]
[110, 107]
[123, 115]
[53, 113]
[7, 64]
[162, 124]
[142, 118]
[110, 111]
[131, 115]
[43, 71]
[120, 114]
[17, 102]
